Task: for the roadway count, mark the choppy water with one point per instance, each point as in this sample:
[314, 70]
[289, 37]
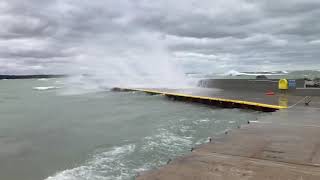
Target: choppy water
[45, 134]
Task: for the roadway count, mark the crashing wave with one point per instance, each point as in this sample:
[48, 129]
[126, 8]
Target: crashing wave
[266, 73]
[232, 73]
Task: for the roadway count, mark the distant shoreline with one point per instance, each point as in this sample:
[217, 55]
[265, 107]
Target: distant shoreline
[38, 76]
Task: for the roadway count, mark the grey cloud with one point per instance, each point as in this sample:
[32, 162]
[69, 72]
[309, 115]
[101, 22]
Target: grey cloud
[228, 34]
[288, 8]
[22, 26]
[36, 54]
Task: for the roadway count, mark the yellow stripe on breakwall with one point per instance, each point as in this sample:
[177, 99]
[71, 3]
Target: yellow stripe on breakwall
[210, 98]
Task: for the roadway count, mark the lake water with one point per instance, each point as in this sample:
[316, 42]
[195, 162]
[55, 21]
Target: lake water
[48, 134]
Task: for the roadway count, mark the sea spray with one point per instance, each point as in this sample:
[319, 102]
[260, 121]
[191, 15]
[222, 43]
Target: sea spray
[133, 61]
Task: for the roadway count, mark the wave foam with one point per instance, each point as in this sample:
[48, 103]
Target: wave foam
[109, 165]
[42, 88]
[124, 162]
[271, 73]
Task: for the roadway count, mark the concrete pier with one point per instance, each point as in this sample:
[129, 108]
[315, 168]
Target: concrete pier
[282, 146]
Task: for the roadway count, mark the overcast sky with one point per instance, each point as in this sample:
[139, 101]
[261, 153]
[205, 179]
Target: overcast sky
[38, 36]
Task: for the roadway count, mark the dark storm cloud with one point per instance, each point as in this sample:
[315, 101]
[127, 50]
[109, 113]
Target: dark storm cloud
[232, 34]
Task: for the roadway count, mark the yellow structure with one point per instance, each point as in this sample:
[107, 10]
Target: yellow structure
[210, 99]
[283, 84]
[283, 100]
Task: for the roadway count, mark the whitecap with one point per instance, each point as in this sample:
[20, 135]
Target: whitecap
[166, 142]
[109, 165]
[254, 121]
[237, 73]
[59, 82]
[232, 73]
[204, 120]
[42, 88]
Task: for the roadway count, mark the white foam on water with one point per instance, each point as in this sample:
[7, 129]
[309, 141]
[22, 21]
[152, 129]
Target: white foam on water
[109, 165]
[42, 88]
[254, 121]
[58, 82]
[43, 79]
[167, 142]
[184, 129]
[201, 141]
[237, 73]
[202, 121]
[124, 162]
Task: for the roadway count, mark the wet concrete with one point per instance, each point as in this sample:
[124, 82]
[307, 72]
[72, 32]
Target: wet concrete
[282, 146]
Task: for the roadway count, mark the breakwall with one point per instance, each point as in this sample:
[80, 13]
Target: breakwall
[246, 84]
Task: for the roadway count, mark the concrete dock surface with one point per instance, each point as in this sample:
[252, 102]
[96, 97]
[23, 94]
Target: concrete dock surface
[283, 145]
